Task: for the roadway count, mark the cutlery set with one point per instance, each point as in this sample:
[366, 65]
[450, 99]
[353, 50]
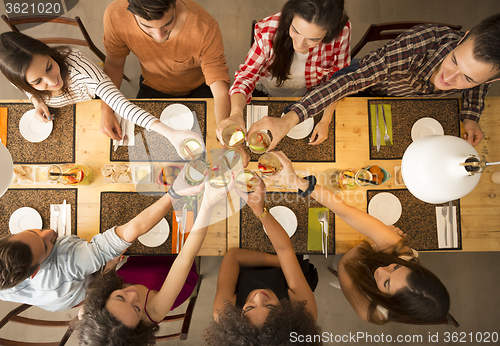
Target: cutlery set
[60, 212]
[447, 212]
[323, 220]
[181, 218]
[387, 138]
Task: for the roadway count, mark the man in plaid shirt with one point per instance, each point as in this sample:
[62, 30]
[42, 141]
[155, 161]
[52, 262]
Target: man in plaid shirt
[427, 60]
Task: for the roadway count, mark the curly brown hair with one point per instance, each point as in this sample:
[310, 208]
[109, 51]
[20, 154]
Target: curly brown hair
[16, 261]
[233, 329]
[424, 300]
[98, 327]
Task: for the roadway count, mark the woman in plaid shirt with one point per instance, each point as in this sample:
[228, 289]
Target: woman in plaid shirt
[294, 51]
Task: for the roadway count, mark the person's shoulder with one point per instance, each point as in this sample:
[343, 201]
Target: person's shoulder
[116, 11]
[268, 25]
[199, 14]
[432, 32]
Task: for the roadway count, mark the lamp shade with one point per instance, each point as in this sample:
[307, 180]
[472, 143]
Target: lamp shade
[431, 168]
[6, 169]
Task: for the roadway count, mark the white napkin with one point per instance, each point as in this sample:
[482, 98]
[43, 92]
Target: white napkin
[60, 230]
[127, 129]
[440, 228]
[256, 117]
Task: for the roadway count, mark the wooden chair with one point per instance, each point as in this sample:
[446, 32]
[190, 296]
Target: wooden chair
[185, 317]
[86, 42]
[13, 316]
[389, 31]
[448, 319]
[252, 38]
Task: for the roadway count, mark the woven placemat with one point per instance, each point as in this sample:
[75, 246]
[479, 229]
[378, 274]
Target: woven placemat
[405, 112]
[298, 150]
[151, 146]
[253, 237]
[418, 220]
[59, 147]
[38, 199]
[118, 208]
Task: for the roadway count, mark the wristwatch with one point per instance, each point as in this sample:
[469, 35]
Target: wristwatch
[264, 213]
[312, 183]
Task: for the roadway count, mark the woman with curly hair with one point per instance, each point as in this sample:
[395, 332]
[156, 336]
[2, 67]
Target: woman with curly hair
[262, 298]
[381, 278]
[117, 313]
[295, 51]
[61, 76]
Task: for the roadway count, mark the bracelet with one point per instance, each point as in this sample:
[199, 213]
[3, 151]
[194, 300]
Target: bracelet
[264, 213]
[312, 184]
[173, 194]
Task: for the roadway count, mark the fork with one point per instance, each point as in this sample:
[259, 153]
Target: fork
[321, 220]
[444, 211]
[387, 139]
[325, 230]
[57, 211]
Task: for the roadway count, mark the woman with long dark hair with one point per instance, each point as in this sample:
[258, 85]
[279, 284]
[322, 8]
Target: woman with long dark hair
[295, 51]
[381, 278]
[60, 76]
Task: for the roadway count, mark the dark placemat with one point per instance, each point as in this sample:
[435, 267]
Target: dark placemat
[151, 146]
[118, 208]
[405, 112]
[253, 237]
[298, 150]
[38, 199]
[59, 147]
[418, 220]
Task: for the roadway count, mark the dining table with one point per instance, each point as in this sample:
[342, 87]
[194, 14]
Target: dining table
[76, 138]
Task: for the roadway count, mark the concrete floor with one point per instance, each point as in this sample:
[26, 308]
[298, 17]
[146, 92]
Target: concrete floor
[472, 278]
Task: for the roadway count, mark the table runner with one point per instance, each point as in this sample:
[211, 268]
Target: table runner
[253, 237]
[59, 147]
[418, 220]
[405, 112]
[298, 150]
[151, 146]
[38, 199]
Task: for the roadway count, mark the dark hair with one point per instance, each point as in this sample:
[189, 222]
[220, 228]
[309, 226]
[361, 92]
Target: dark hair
[15, 262]
[233, 329]
[328, 14]
[486, 37]
[150, 9]
[16, 53]
[99, 327]
[424, 300]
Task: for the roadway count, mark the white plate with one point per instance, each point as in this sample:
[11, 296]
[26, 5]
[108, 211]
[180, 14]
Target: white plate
[286, 218]
[33, 130]
[386, 207]
[178, 117]
[302, 130]
[24, 218]
[6, 171]
[425, 127]
[157, 235]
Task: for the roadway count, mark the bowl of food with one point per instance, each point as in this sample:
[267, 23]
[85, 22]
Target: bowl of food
[168, 174]
[379, 174]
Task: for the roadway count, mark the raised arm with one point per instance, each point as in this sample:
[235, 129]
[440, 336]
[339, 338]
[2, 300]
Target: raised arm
[113, 67]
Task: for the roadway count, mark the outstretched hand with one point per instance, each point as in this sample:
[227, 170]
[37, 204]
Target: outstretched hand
[255, 200]
[110, 126]
[278, 127]
[473, 133]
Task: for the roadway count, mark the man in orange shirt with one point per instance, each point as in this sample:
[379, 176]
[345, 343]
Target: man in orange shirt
[180, 49]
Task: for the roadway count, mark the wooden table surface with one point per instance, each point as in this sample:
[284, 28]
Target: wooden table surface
[480, 210]
[93, 150]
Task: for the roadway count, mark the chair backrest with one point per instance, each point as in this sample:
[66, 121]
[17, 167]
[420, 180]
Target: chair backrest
[86, 42]
[185, 317]
[389, 31]
[252, 37]
[13, 316]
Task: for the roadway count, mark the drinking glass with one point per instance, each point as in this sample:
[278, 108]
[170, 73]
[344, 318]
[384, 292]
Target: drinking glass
[196, 171]
[247, 180]
[71, 174]
[220, 176]
[233, 136]
[259, 142]
[191, 149]
[269, 164]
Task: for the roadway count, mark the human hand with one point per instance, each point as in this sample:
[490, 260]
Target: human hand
[278, 127]
[213, 195]
[42, 113]
[255, 200]
[110, 125]
[178, 136]
[111, 265]
[397, 231]
[320, 133]
[287, 175]
[182, 188]
[233, 119]
[473, 133]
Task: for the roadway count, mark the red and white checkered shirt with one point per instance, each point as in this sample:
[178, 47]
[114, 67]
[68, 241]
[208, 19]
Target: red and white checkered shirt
[323, 60]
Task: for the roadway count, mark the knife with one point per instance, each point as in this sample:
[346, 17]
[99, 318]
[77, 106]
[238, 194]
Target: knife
[326, 232]
[450, 218]
[178, 219]
[64, 217]
[184, 220]
[378, 129]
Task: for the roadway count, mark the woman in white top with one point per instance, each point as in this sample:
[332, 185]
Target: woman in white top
[381, 278]
[59, 76]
